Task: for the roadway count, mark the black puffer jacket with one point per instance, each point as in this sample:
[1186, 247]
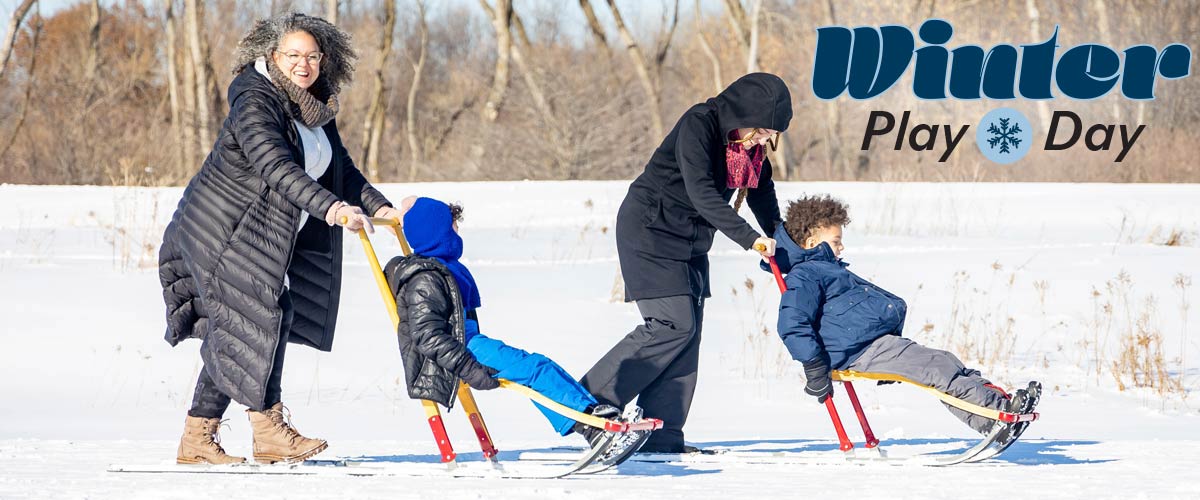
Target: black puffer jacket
[666, 223]
[233, 238]
[432, 328]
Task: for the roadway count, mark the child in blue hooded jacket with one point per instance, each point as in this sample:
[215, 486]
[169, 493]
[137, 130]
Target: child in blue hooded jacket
[440, 338]
[832, 319]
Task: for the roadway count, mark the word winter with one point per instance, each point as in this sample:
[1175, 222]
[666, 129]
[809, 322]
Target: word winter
[867, 61]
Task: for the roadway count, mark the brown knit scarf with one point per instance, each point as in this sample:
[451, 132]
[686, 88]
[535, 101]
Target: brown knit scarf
[315, 106]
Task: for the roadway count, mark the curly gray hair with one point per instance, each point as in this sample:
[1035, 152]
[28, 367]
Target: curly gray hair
[337, 65]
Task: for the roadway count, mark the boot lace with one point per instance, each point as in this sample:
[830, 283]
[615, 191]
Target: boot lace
[212, 434]
[216, 435]
[283, 420]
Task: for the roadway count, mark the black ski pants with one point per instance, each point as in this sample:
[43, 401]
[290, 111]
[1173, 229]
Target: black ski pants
[656, 363]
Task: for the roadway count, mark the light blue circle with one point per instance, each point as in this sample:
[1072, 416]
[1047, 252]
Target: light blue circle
[1004, 135]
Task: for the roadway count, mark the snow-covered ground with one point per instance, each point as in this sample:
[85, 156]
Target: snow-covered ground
[1026, 281]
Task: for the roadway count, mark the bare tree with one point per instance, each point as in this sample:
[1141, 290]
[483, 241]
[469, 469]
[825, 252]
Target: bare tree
[188, 122]
[33, 46]
[173, 84]
[216, 98]
[1031, 10]
[1101, 9]
[779, 156]
[522, 36]
[93, 57]
[737, 21]
[14, 23]
[642, 67]
[331, 11]
[518, 52]
[752, 47]
[833, 124]
[192, 13]
[501, 20]
[411, 116]
[706, 46]
[660, 54]
[374, 123]
[595, 28]
[745, 27]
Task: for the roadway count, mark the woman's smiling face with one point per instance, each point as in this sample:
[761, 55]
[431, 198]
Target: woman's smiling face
[299, 57]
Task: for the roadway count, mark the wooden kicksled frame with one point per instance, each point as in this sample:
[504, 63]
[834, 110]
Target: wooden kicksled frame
[847, 376]
[433, 414]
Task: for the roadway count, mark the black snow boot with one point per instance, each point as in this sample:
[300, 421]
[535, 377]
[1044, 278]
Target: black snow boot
[593, 434]
[1023, 401]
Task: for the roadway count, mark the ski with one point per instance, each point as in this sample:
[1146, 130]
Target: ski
[348, 467]
[854, 456]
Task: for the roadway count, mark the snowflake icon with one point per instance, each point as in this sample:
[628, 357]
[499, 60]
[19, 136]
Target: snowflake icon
[1004, 135]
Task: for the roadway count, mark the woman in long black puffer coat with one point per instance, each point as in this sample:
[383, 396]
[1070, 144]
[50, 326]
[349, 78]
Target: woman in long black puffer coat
[252, 257]
[665, 228]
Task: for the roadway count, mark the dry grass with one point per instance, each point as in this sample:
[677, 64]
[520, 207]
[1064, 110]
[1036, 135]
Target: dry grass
[763, 354]
[983, 336]
[1173, 237]
[133, 235]
[1137, 360]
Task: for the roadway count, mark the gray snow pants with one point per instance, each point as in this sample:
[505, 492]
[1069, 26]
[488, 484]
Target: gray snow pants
[936, 368]
[656, 363]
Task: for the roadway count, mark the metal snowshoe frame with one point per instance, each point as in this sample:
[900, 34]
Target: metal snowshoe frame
[433, 413]
[846, 377]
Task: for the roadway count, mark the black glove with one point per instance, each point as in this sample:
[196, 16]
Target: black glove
[480, 377]
[819, 384]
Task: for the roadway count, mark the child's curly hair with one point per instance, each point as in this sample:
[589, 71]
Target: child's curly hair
[811, 212]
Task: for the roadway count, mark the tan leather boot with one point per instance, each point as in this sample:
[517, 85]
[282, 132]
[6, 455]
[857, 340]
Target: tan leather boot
[201, 443]
[275, 440]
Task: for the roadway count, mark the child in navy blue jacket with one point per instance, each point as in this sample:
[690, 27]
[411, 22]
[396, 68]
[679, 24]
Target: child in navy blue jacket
[832, 319]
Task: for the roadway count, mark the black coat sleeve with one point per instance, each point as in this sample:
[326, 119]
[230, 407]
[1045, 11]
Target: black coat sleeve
[763, 202]
[358, 191]
[260, 129]
[695, 165]
[428, 311]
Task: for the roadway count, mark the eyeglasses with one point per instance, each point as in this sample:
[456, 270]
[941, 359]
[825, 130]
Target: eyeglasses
[293, 58]
[772, 141]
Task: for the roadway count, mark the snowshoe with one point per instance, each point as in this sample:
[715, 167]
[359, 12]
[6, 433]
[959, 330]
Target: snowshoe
[1025, 402]
[625, 444]
[594, 435]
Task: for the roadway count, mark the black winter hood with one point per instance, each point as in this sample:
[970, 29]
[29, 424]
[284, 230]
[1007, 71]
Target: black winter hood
[757, 100]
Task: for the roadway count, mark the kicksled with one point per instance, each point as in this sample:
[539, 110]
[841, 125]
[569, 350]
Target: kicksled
[1007, 429]
[590, 461]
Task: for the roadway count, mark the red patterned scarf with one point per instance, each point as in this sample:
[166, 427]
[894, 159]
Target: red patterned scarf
[743, 166]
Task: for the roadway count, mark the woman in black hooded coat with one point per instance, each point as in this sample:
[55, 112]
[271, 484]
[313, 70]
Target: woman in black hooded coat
[665, 228]
[256, 231]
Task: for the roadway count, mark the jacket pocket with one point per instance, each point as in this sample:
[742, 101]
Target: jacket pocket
[845, 302]
[659, 236]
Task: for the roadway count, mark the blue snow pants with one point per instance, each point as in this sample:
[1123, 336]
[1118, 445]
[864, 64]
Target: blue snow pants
[532, 370]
